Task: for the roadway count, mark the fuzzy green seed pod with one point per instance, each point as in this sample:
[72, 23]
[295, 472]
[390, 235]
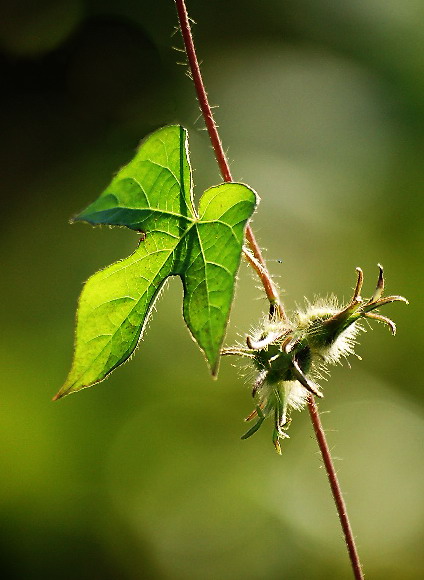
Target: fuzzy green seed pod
[290, 356]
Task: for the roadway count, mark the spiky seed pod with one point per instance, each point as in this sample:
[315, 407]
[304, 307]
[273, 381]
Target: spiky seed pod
[290, 356]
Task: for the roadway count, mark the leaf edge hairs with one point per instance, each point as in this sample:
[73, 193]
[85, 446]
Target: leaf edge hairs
[289, 356]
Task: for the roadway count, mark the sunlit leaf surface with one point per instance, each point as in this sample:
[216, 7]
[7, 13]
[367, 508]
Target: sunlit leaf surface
[153, 195]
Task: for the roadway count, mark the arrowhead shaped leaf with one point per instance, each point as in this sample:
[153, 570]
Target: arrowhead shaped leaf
[153, 195]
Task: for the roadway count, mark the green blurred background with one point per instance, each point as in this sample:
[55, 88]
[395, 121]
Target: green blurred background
[145, 476]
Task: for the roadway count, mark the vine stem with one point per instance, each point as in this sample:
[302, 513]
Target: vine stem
[259, 264]
[256, 260]
[335, 489]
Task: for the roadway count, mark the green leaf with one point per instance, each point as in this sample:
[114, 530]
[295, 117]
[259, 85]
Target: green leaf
[153, 195]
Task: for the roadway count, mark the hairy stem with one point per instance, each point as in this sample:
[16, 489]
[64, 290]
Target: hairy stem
[263, 273]
[335, 489]
[256, 260]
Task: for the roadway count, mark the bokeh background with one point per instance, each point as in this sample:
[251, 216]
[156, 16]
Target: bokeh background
[145, 475]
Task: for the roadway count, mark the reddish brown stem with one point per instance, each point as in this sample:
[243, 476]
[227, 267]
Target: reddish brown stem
[335, 489]
[276, 308]
[258, 263]
[201, 91]
[264, 275]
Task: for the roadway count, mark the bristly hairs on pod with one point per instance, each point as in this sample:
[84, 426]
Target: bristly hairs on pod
[289, 356]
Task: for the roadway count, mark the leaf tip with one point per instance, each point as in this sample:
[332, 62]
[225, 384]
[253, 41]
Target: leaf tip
[214, 370]
[79, 217]
[65, 390]
[61, 393]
